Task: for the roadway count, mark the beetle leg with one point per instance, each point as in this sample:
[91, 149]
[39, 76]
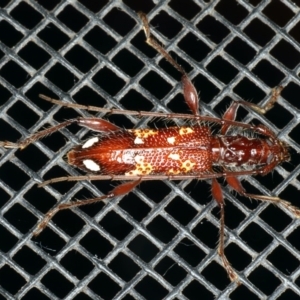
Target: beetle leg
[230, 113]
[97, 124]
[189, 90]
[190, 94]
[237, 186]
[218, 196]
[151, 41]
[119, 190]
[94, 124]
[270, 103]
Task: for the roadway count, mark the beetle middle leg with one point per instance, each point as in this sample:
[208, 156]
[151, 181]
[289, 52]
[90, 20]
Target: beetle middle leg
[189, 90]
[217, 194]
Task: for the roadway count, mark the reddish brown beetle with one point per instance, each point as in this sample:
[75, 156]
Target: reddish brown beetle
[174, 153]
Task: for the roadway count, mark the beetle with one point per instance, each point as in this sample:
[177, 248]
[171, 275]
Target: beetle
[191, 151]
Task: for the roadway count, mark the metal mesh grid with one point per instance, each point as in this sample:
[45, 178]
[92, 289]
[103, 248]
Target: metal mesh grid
[159, 241]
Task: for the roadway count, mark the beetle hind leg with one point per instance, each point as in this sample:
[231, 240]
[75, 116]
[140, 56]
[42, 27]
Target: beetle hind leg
[95, 124]
[119, 190]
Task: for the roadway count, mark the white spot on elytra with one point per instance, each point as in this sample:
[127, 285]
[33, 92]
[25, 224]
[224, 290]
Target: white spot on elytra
[171, 140]
[138, 140]
[174, 156]
[91, 165]
[128, 157]
[90, 142]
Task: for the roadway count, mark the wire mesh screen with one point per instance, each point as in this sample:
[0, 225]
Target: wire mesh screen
[159, 241]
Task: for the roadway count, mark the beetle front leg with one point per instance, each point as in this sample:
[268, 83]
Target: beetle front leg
[230, 113]
[270, 103]
[237, 186]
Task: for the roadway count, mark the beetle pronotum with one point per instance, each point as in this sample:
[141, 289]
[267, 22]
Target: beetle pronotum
[174, 153]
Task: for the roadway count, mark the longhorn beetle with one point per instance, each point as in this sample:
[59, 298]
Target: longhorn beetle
[174, 153]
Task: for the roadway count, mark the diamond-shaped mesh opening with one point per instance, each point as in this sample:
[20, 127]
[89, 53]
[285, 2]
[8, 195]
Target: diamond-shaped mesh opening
[159, 241]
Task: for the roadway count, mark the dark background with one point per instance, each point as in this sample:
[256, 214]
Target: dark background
[159, 241]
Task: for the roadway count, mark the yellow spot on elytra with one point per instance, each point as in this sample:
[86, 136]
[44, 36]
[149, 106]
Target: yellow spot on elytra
[174, 156]
[187, 165]
[143, 133]
[171, 140]
[185, 130]
[174, 172]
[141, 167]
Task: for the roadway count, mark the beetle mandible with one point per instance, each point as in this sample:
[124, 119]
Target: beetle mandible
[172, 153]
